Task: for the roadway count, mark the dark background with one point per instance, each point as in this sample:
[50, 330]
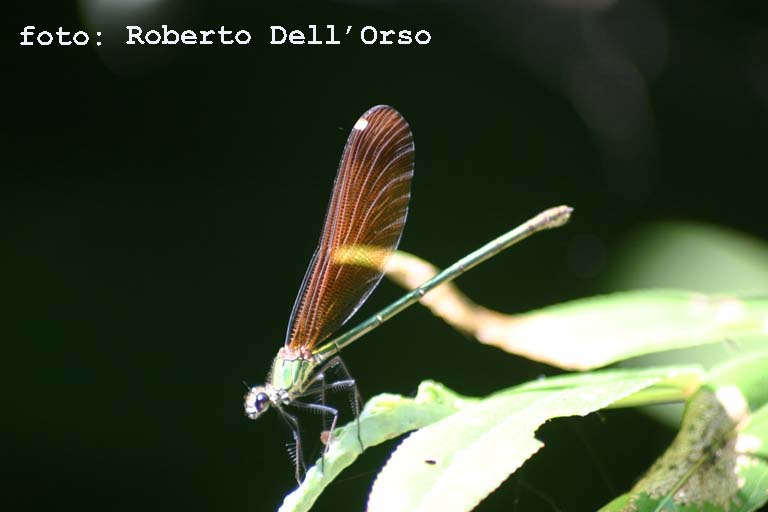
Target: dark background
[160, 205]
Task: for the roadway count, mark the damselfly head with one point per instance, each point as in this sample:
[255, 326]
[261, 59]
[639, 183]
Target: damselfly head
[256, 401]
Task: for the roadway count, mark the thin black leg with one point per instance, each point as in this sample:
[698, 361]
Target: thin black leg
[319, 388]
[296, 454]
[355, 398]
[323, 409]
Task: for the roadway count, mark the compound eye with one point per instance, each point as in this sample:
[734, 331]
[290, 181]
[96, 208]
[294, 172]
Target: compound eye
[261, 402]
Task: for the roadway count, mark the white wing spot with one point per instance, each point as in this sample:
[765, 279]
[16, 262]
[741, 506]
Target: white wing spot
[361, 124]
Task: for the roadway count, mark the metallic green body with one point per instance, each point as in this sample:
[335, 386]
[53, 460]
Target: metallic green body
[291, 376]
[548, 219]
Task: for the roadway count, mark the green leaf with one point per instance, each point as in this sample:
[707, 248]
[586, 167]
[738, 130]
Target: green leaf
[384, 417]
[719, 460]
[601, 330]
[752, 447]
[689, 255]
[454, 463]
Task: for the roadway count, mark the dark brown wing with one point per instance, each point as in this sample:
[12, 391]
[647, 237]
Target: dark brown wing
[365, 220]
